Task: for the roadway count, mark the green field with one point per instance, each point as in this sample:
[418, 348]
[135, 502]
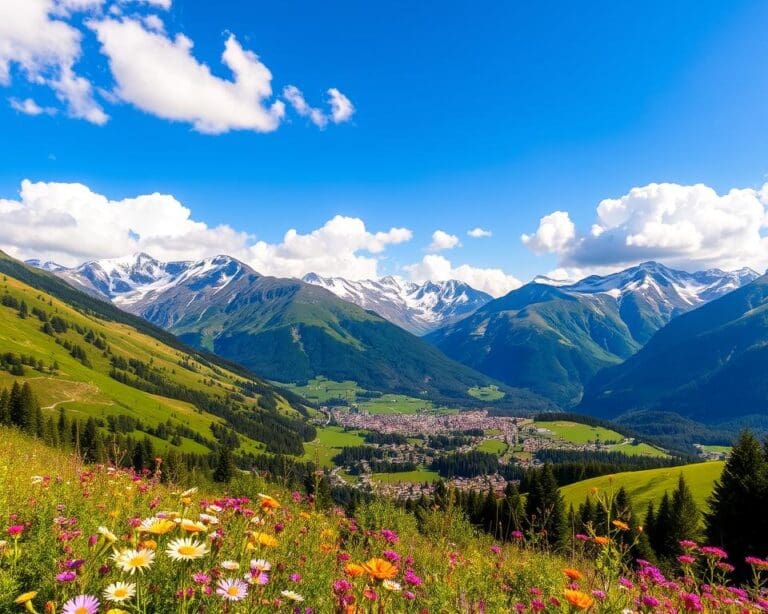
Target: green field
[640, 449]
[415, 477]
[494, 446]
[573, 432]
[321, 390]
[486, 393]
[396, 404]
[649, 485]
[717, 449]
[329, 442]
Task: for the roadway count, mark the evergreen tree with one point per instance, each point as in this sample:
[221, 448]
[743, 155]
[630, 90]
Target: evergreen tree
[737, 519]
[545, 509]
[5, 407]
[225, 465]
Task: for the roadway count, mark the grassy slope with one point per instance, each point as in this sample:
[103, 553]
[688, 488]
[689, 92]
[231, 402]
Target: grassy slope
[649, 485]
[91, 391]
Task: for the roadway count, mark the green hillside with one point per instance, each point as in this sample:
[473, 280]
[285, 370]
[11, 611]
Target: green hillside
[707, 365]
[649, 485]
[87, 357]
[541, 338]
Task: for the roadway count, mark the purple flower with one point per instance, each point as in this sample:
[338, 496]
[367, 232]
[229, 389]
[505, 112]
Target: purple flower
[691, 602]
[650, 601]
[391, 556]
[411, 578]
[295, 577]
[390, 536]
[66, 576]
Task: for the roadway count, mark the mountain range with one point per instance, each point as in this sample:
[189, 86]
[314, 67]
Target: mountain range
[554, 338]
[284, 329]
[707, 365]
[418, 308]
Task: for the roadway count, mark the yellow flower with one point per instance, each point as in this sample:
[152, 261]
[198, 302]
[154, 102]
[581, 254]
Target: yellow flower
[149, 544]
[192, 526]
[623, 526]
[264, 539]
[118, 592]
[579, 600]
[305, 515]
[380, 569]
[117, 611]
[157, 526]
[25, 597]
[327, 533]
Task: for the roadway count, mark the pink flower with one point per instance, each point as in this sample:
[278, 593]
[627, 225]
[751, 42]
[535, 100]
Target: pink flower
[517, 534]
[391, 556]
[82, 604]
[411, 578]
[390, 536]
[691, 602]
[688, 544]
[714, 552]
[15, 530]
[686, 559]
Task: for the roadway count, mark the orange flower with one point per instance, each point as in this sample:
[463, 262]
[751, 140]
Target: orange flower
[579, 600]
[149, 544]
[380, 569]
[269, 503]
[603, 541]
[620, 525]
[354, 570]
[573, 574]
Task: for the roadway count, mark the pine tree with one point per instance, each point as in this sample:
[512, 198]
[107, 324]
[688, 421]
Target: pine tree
[225, 466]
[15, 406]
[5, 407]
[545, 509]
[737, 517]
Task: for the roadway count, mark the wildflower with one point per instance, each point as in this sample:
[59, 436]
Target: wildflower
[131, 561]
[264, 539]
[257, 577]
[117, 592]
[295, 577]
[650, 601]
[517, 534]
[25, 597]
[192, 526]
[691, 602]
[688, 544]
[391, 556]
[411, 578]
[603, 541]
[157, 526]
[380, 569]
[390, 536]
[66, 576]
[107, 535]
[149, 544]
[756, 562]
[686, 559]
[354, 570]
[82, 604]
[188, 493]
[201, 578]
[186, 549]
[599, 594]
[269, 503]
[410, 596]
[260, 565]
[291, 596]
[714, 552]
[391, 585]
[230, 565]
[15, 530]
[578, 600]
[622, 526]
[573, 574]
[232, 590]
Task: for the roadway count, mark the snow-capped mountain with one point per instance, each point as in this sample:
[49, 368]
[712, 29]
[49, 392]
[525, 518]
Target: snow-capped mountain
[418, 308]
[131, 282]
[47, 265]
[650, 294]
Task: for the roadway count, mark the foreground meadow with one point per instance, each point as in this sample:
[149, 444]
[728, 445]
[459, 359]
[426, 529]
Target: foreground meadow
[80, 540]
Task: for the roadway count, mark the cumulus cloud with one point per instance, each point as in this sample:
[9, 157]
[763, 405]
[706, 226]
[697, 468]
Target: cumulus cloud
[46, 49]
[479, 233]
[161, 76]
[341, 107]
[69, 223]
[438, 268]
[688, 226]
[442, 240]
[556, 231]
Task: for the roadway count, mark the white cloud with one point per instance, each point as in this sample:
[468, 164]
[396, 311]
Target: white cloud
[438, 268]
[163, 4]
[690, 227]
[442, 240]
[479, 233]
[162, 77]
[29, 107]
[70, 223]
[556, 231]
[342, 108]
[331, 250]
[295, 97]
[46, 50]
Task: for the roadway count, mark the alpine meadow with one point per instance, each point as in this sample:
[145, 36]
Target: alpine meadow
[386, 308]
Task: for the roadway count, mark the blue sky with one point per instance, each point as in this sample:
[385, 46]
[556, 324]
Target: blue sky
[491, 114]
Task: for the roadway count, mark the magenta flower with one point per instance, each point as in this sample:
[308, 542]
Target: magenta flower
[686, 559]
[714, 552]
[390, 536]
[66, 576]
[295, 577]
[517, 534]
[15, 530]
[411, 578]
[391, 556]
[691, 602]
[82, 604]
